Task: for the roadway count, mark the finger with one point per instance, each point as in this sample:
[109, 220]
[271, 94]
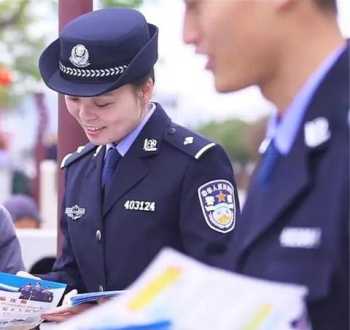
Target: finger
[66, 299]
[59, 310]
[57, 317]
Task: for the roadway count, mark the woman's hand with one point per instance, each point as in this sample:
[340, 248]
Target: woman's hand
[65, 312]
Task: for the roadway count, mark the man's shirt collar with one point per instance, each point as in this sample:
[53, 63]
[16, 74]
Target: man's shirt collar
[284, 131]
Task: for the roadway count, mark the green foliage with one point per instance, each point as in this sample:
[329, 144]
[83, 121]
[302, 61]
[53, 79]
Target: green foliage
[21, 42]
[122, 3]
[20, 46]
[232, 135]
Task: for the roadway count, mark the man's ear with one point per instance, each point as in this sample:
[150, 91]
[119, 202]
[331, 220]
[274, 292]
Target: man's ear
[285, 4]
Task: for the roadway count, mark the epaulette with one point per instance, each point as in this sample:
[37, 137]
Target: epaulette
[80, 152]
[187, 141]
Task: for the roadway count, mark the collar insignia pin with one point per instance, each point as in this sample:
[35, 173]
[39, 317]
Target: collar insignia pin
[150, 145]
[316, 132]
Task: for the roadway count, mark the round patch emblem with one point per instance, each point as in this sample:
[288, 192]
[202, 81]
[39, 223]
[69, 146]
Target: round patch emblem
[218, 205]
[79, 56]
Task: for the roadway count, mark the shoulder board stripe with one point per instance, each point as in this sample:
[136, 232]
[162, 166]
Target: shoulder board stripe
[80, 149]
[203, 150]
[80, 152]
[98, 150]
[64, 159]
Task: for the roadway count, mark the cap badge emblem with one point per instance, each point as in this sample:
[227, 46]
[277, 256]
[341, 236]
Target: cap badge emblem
[79, 56]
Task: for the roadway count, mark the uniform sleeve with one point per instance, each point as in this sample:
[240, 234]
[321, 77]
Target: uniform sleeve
[65, 268]
[10, 251]
[209, 208]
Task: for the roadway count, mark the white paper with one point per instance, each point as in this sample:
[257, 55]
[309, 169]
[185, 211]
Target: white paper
[191, 295]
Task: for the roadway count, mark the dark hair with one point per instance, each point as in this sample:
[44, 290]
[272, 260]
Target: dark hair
[329, 5]
[141, 81]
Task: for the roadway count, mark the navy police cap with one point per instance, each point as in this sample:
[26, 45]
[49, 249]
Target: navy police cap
[99, 52]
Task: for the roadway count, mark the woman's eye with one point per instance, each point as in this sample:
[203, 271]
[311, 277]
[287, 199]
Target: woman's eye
[73, 99]
[103, 105]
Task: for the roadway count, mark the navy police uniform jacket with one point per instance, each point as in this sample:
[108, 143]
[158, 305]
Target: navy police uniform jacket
[296, 229]
[172, 188]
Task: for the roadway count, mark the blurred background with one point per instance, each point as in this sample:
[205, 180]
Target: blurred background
[28, 111]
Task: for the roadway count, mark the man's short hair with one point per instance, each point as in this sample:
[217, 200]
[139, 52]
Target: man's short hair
[329, 5]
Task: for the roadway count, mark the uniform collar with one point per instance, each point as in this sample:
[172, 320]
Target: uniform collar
[284, 131]
[124, 145]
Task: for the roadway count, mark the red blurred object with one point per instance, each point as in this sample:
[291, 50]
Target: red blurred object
[4, 142]
[5, 77]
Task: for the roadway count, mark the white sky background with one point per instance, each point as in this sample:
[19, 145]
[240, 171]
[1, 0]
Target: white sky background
[181, 74]
[180, 77]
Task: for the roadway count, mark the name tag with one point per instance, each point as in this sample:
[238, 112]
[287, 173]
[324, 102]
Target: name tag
[300, 237]
[140, 205]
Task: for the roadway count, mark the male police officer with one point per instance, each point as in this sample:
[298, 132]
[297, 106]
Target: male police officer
[294, 226]
[161, 184]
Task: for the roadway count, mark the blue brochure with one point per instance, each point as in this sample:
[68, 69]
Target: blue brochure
[83, 298]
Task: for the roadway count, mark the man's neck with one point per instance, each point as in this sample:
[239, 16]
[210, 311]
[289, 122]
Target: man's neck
[299, 59]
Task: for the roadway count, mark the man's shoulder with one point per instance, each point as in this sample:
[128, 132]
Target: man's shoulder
[79, 153]
[188, 141]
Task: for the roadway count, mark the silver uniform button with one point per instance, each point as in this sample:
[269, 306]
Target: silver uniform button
[98, 235]
[100, 288]
[172, 130]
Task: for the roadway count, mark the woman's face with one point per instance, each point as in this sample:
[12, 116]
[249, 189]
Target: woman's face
[109, 117]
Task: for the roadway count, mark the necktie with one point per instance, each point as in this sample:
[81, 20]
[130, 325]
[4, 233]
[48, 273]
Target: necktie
[110, 164]
[268, 163]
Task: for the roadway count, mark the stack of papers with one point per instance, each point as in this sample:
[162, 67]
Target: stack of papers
[82, 298]
[188, 295]
[23, 300]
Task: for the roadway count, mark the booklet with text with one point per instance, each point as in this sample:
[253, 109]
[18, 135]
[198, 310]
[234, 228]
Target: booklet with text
[23, 300]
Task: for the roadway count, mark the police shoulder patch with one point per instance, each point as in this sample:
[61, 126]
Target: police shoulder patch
[187, 141]
[218, 205]
[80, 152]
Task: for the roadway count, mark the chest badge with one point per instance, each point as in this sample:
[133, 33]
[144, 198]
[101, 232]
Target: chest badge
[150, 145]
[218, 205]
[75, 212]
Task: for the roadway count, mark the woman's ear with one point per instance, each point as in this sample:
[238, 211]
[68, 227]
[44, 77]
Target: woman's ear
[147, 90]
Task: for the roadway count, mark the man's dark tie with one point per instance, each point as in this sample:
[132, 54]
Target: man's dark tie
[268, 164]
[110, 164]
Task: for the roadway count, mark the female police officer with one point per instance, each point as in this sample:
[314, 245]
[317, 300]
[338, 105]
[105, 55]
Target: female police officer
[142, 182]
